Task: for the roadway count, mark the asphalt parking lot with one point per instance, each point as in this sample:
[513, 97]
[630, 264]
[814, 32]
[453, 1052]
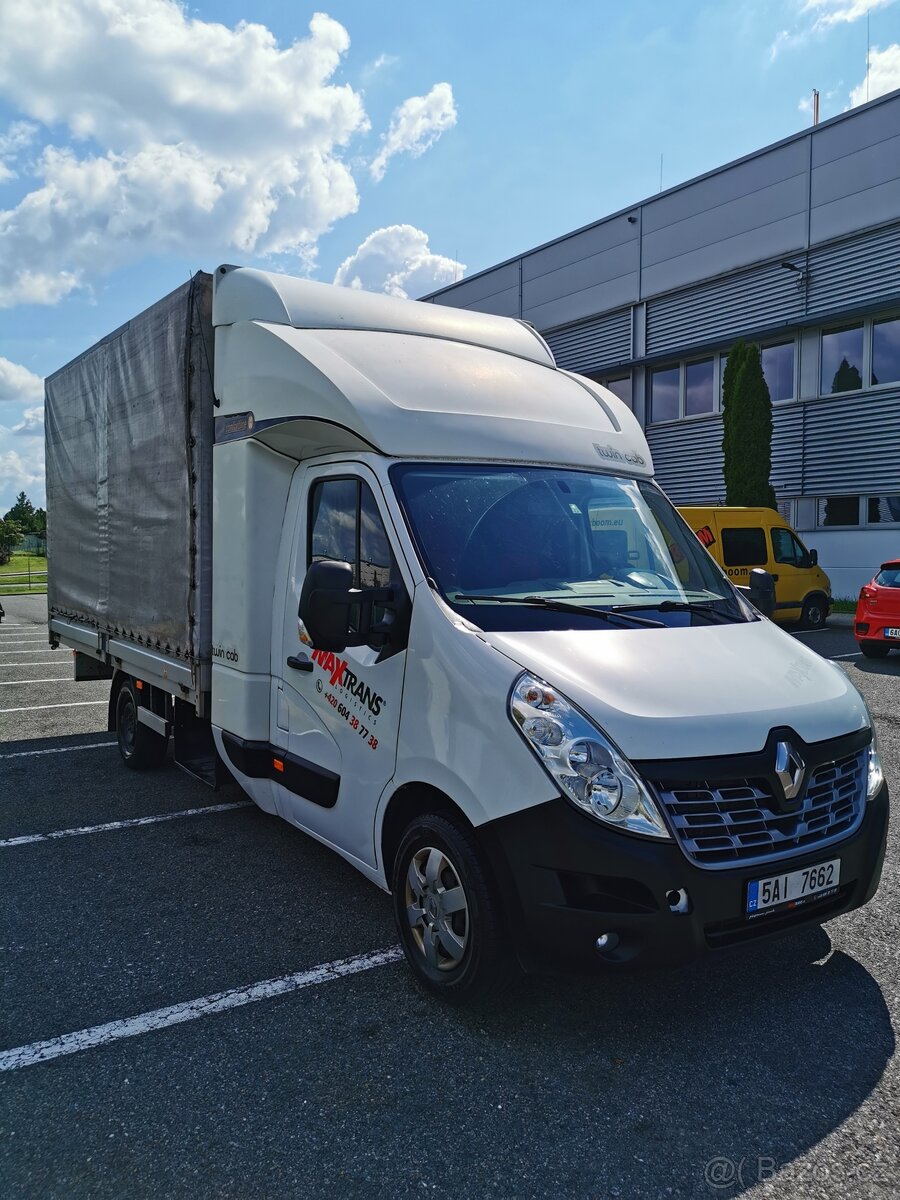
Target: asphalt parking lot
[768, 1072]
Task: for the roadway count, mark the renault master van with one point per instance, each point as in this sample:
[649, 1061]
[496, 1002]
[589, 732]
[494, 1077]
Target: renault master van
[741, 539]
[416, 588]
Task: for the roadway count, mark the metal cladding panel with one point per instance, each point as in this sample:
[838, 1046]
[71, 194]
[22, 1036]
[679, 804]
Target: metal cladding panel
[687, 457]
[784, 236]
[129, 431]
[855, 272]
[500, 304]
[839, 422]
[742, 214]
[480, 291]
[593, 345]
[585, 303]
[765, 297]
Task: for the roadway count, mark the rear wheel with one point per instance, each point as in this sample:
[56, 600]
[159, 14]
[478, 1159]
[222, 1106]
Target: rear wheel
[874, 649]
[815, 612]
[141, 748]
[447, 913]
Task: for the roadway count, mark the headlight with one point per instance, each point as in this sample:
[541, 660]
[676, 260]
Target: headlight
[876, 774]
[590, 770]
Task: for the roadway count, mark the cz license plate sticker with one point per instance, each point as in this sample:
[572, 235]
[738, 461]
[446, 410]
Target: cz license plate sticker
[793, 887]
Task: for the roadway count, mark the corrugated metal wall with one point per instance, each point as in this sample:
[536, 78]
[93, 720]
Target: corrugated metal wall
[857, 271]
[758, 299]
[593, 345]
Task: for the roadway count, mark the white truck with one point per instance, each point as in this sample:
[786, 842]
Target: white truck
[415, 587]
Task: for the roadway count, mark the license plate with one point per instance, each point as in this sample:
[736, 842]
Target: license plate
[794, 886]
[892, 633]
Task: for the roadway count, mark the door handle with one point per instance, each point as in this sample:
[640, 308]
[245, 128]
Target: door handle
[300, 664]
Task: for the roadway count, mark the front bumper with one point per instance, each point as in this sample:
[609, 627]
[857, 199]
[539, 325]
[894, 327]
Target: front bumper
[568, 881]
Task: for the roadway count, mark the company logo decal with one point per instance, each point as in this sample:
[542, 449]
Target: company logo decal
[706, 537]
[229, 654]
[790, 769]
[614, 455]
[340, 676]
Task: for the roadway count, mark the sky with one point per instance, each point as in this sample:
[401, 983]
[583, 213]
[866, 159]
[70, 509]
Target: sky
[395, 146]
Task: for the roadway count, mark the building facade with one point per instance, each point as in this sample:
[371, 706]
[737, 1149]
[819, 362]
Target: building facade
[795, 247]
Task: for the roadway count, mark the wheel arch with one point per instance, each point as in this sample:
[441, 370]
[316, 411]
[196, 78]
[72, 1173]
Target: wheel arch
[409, 801]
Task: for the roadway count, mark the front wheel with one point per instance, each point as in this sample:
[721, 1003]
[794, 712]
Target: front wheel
[874, 649]
[815, 612]
[140, 747]
[447, 913]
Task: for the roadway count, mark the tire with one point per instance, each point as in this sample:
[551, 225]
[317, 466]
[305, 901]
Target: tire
[875, 649]
[815, 612]
[140, 747]
[457, 955]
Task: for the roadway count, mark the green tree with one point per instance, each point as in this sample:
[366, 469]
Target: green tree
[10, 536]
[846, 378]
[747, 429]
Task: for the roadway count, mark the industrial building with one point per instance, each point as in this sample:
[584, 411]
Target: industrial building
[796, 247]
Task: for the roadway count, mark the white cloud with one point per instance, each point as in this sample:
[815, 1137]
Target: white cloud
[817, 16]
[415, 125]
[18, 385]
[397, 260]
[840, 12]
[884, 75]
[186, 136]
[18, 136]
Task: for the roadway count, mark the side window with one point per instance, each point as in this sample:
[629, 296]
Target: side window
[787, 550]
[744, 547]
[346, 526]
[333, 523]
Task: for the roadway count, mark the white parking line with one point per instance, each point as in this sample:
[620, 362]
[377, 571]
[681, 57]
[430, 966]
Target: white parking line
[192, 1010]
[55, 653]
[845, 657]
[52, 679]
[57, 750]
[29, 838]
[41, 707]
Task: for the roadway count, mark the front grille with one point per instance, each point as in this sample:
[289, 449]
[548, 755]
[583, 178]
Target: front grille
[739, 823]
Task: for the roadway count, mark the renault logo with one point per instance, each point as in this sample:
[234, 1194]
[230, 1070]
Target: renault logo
[790, 769]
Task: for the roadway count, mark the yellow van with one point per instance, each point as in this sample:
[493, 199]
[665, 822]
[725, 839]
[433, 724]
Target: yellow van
[740, 539]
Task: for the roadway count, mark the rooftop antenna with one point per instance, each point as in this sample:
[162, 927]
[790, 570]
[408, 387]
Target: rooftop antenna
[660, 169]
[815, 106]
[868, 45]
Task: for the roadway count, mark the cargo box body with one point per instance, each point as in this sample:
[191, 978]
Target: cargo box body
[129, 434]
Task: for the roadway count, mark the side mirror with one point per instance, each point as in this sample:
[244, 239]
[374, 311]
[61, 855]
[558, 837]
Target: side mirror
[813, 558]
[762, 591]
[325, 603]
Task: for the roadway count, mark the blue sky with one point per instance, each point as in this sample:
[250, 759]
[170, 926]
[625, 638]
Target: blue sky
[394, 145]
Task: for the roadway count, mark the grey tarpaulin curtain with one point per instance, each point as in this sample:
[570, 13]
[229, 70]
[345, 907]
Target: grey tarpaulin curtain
[129, 431]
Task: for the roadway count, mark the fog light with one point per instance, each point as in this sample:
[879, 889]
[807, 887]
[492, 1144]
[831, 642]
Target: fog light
[678, 900]
[606, 942]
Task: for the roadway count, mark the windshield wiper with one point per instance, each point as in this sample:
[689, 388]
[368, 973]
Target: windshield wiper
[604, 614]
[699, 610]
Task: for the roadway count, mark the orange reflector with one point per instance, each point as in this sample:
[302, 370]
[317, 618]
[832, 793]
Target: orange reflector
[277, 764]
[139, 685]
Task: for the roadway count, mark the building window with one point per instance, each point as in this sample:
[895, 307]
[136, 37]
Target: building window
[699, 387]
[778, 368]
[842, 360]
[886, 351]
[620, 386]
[881, 510]
[665, 386]
[838, 510]
[744, 547]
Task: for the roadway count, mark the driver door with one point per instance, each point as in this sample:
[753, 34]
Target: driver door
[338, 714]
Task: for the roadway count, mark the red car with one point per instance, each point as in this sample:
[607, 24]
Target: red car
[877, 624]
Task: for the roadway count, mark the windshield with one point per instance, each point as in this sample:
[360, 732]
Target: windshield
[489, 535]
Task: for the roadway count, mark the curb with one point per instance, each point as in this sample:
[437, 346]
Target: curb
[841, 620]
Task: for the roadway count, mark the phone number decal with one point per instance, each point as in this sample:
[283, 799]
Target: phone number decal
[354, 722]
